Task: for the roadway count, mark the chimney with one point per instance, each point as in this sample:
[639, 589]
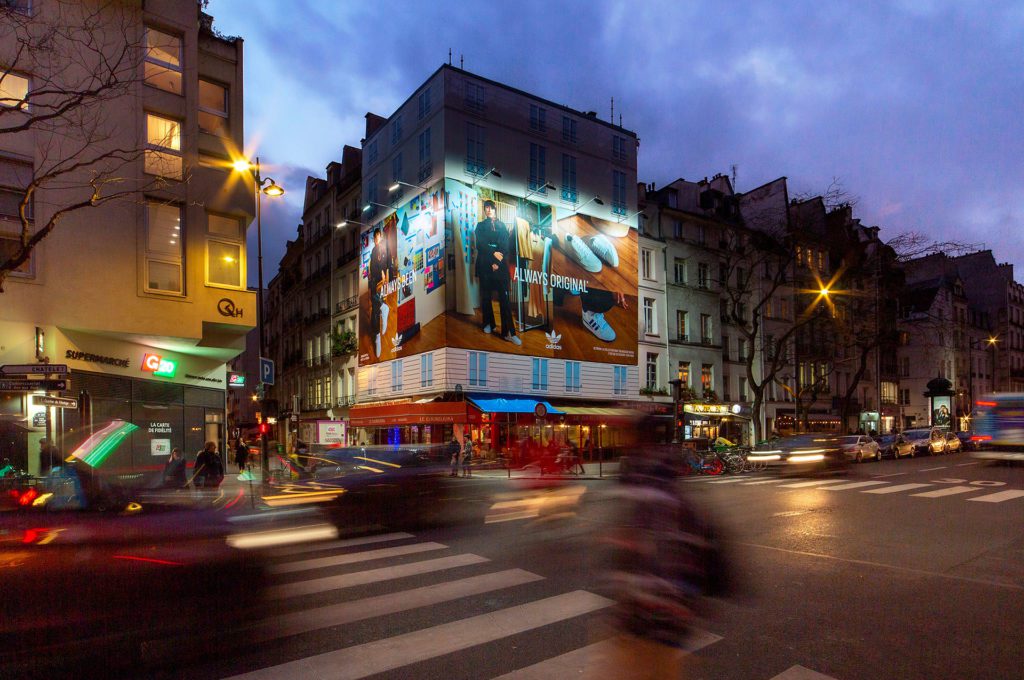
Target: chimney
[373, 123]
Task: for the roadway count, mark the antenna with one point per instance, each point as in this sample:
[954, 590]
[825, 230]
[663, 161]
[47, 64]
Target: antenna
[734, 166]
[460, 60]
[620, 120]
[612, 119]
[449, 56]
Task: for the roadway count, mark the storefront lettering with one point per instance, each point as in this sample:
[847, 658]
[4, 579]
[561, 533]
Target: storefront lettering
[160, 428]
[158, 366]
[95, 358]
[707, 409]
[205, 378]
[226, 307]
[525, 275]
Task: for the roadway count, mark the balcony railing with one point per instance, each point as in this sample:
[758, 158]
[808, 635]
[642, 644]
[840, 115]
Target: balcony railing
[707, 340]
[346, 304]
[345, 400]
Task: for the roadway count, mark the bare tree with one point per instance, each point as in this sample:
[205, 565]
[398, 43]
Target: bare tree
[910, 245]
[69, 63]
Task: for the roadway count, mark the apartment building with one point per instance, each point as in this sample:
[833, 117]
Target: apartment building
[142, 294]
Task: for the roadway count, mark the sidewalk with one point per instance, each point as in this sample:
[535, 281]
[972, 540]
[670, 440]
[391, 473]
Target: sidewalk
[609, 470]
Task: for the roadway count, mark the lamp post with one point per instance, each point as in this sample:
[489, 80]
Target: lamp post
[263, 185]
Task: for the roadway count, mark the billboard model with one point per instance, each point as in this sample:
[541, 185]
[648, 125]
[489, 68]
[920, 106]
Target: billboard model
[470, 267]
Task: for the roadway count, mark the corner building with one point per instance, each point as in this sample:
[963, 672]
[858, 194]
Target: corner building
[498, 272]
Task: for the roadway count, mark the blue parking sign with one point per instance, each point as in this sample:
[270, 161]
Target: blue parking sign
[266, 371]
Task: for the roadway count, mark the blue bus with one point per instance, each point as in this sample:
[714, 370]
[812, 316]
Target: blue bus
[999, 426]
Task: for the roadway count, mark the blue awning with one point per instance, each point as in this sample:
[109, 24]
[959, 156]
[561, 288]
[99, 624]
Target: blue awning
[512, 406]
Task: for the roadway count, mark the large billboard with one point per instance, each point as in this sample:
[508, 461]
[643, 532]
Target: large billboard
[476, 268]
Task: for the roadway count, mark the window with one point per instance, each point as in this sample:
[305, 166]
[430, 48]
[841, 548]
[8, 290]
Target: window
[371, 195]
[619, 378]
[726, 395]
[15, 177]
[163, 146]
[477, 368]
[474, 97]
[425, 166]
[741, 349]
[703, 275]
[13, 91]
[651, 374]
[705, 329]
[396, 375]
[213, 108]
[645, 264]
[538, 168]
[904, 367]
[475, 149]
[371, 152]
[569, 130]
[164, 259]
[679, 271]
[572, 376]
[683, 373]
[618, 192]
[163, 61]
[426, 370]
[682, 325]
[742, 389]
[540, 374]
[424, 103]
[618, 148]
[538, 118]
[725, 347]
[707, 377]
[396, 130]
[650, 320]
[223, 251]
[9, 245]
[371, 380]
[396, 172]
[569, 178]
[677, 228]
[702, 234]
[889, 390]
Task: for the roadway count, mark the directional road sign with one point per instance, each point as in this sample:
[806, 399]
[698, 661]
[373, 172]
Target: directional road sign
[34, 369]
[60, 402]
[33, 385]
[266, 371]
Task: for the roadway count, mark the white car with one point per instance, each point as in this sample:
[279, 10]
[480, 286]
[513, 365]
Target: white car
[860, 447]
[927, 440]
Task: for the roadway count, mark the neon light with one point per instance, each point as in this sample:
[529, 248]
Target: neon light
[158, 366]
[102, 443]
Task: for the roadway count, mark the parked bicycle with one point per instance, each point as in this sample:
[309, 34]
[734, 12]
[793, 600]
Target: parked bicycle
[707, 463]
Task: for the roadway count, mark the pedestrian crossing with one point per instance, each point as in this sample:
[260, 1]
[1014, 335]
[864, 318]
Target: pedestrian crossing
[510, 602]
[984, 492]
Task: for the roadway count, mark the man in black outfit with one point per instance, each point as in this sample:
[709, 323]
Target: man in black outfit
[381, 271]
[492, 253]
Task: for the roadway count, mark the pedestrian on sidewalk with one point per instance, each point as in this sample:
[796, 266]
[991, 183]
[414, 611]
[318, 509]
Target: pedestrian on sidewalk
[241, 454]
[174, 470]
[467, 458]
[454, 450]
[209, 467]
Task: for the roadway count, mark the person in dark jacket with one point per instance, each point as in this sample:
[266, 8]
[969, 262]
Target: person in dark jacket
[492, 260]
[454, 450]
[174, 470]
[241, 454]
[209, 467]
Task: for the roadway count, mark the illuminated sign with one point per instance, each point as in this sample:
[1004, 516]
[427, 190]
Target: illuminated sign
[236, 379]
[708, 409]
[158, 366]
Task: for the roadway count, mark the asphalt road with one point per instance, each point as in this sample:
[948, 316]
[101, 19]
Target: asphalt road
[899, 569]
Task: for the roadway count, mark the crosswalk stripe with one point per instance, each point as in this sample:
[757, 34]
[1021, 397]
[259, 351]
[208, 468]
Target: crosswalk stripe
[588, 661]
[815, 482]
[361, 578]
[367, 659]
[730, 480]
[352, 558]
[333, 545]
[854, 485]
[896, 488]
[999, 497]
[764, 481]
[800, 673]
[948, 491]
[391, 603]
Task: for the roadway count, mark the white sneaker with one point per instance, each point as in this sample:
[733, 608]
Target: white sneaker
[376, 345]
[595, 322]
[604, 249]
[488, 329]
[578, 251]
[514, 339]
[384, 311]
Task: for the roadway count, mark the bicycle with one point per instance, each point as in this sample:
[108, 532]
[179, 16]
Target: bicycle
[707, 463]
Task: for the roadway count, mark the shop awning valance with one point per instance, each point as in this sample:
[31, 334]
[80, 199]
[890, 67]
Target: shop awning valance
[601, 411]
[413, 413]
[501, 405]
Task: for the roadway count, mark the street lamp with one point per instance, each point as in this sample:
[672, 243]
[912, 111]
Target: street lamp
[263, 185]
[481, 178]
[398, 184]
[343, 223]
[595, 199]
[542, 188]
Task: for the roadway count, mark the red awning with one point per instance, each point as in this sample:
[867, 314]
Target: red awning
[412, 413]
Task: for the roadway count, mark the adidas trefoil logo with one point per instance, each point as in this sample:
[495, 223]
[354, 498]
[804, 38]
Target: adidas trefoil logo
[553, 339]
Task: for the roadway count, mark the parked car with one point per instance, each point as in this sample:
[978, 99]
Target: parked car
[967, 443]
[801, 452]
[927, 440]
[953, 444]
[860, 447]
[895, 445]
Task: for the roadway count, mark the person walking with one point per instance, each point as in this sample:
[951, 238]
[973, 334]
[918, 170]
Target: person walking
[454, 450]
[467, 458]
[209, 469]
[174, 471]
[241, 454]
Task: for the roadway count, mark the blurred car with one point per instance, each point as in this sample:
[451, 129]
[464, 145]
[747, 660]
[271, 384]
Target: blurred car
[927, 440]
[811, 451]
[860, 447]
[967, 442]
[953, 443]
[895, 445]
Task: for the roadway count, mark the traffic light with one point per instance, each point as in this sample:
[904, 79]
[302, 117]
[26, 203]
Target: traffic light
[264, 429]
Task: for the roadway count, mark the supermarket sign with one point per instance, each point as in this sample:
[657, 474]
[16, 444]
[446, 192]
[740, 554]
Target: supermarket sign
[158, 366]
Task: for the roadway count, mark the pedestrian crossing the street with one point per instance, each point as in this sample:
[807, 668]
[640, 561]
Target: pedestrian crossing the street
[494, 604]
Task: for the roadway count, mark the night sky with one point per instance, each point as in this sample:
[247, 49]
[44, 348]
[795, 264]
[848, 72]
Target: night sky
[916, 107]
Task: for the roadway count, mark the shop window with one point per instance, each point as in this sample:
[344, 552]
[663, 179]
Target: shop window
[213, 108]
[164, 252]
[13, 91]
[163, 61]
[540, 374]
[163, 146]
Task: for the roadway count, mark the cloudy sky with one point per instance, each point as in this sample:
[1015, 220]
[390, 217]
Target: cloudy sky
[915, 106]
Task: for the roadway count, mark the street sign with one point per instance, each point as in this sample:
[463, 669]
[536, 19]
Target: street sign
[60, 402]
[33, 385]
[266, 371]
[34, 369]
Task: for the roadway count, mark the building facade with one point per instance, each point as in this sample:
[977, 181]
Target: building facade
[142, 293]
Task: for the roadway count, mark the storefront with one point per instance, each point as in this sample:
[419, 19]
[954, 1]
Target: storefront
[786, 423]
[710, 421]
[412, 422]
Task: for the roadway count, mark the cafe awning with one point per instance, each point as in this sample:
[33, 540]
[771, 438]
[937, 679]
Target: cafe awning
[501, 405]
[413, 413]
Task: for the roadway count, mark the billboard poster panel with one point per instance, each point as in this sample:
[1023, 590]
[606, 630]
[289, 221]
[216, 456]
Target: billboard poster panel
[475, 268]
[401, 281]
[534, 279]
